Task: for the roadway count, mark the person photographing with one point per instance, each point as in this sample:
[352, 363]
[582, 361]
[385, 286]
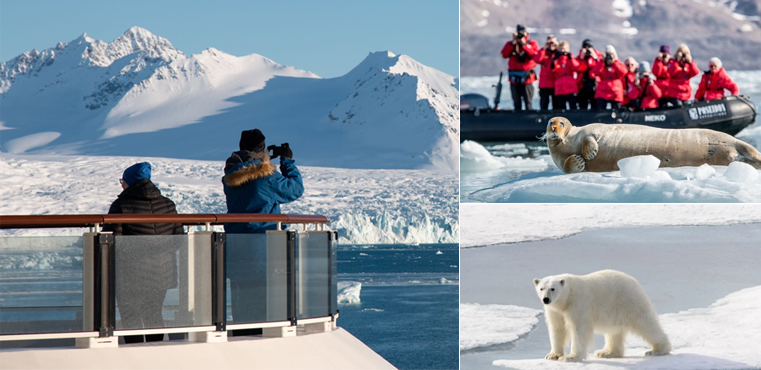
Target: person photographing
[252, 184]
[520, 52]
[546, 79]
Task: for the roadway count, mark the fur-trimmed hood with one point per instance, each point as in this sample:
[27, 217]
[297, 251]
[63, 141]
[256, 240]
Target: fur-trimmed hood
[248, 171]
[244, 166]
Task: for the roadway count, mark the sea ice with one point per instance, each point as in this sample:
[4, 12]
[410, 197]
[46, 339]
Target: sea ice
[640, 166]
[741, 172]
[474, 157]
[484, 224]
[348, 292]
[704, 172]
[487, 325]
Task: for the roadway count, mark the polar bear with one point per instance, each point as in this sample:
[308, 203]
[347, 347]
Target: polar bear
[608, 302]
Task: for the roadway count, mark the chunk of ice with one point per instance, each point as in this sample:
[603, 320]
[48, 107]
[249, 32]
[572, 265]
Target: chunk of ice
[705, 172]
[638, 166]
[741, 172]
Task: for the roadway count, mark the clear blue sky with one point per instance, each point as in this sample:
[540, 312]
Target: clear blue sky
[327, 37]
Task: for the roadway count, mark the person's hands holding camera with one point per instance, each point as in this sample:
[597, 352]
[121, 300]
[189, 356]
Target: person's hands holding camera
[286, 153]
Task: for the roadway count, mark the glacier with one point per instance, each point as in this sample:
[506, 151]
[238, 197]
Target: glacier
[364, 206]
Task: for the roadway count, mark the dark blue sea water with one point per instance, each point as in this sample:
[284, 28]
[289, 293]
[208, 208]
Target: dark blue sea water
[408, 309]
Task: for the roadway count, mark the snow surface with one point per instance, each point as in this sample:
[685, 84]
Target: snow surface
[735, 183]
[488, 325]
[348, 292]
[722, 336]
[490, 224]
[365, 206]
[138, 95]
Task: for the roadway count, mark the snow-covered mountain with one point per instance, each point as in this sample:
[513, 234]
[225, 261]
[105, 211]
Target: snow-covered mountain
[138, 95]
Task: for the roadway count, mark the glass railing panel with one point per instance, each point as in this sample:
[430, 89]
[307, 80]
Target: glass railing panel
[162, 281]
[313, 252]
[256, 270]
[40, 284]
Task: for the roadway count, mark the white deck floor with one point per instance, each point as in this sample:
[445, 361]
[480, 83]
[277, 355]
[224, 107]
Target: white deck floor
[331, 350]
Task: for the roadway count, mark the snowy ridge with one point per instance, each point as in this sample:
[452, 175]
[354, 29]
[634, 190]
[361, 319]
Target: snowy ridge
[715, 337]
[129, 97]
[365, 206]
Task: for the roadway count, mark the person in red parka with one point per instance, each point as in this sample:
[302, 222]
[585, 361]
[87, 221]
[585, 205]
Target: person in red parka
[520, 52]
[610, 88]
[546, 80]
[680, 73]
[630, 81]
[588, 58]
[661, 72]
[645, 93]
[564, 69]
[714, 82]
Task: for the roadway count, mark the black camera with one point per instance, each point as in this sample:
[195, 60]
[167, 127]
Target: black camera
[608, 57]
[520, 34]
[588, 51]
[276, 151]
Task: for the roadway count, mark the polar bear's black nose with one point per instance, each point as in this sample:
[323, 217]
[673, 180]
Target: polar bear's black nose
[546, 300]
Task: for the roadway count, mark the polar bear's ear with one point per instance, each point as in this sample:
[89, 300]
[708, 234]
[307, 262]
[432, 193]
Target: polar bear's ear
[536, 281]
[562, 282]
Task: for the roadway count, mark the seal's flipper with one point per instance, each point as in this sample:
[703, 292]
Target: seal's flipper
[589, 148]
[574, 164]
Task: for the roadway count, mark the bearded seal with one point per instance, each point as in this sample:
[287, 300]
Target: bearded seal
[598, 147]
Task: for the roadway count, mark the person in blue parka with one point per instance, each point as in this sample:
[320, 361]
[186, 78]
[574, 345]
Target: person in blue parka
[252, 185]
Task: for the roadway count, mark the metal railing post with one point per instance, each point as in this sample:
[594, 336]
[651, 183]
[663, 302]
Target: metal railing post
[291, 280]
[104, 318]
[330, 273]
[218, 286]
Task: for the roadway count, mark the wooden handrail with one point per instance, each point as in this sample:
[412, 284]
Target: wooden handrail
[53, 221]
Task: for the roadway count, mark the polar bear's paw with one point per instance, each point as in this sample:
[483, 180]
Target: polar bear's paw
[572, 358]
[606, 353]
[553, 356]
[656, 353]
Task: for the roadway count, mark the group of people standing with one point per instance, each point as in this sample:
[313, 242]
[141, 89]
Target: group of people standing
[595, 80]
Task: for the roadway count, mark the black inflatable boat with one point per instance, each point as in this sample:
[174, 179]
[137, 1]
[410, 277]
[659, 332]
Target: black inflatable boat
[730, 114]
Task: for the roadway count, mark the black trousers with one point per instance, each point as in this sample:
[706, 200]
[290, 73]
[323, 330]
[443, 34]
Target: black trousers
[522, 93]
[585, 99]
[676, 102]
[141, 308]
[561, 100]
[602, 104]
[545, 96]
[663, 102]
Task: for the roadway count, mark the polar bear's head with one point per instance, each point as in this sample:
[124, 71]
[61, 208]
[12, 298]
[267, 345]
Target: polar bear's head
[551, 289]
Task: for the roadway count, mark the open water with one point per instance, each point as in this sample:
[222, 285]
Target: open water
[408, 309]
